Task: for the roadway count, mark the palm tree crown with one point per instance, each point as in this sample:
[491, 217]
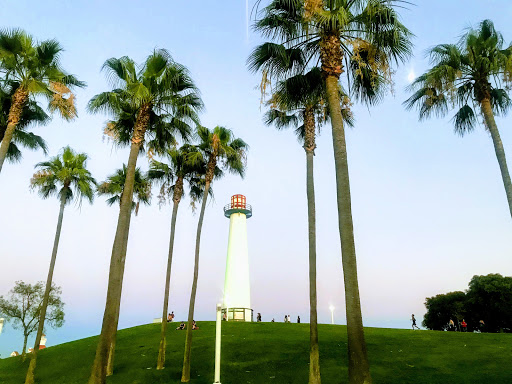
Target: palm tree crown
[302, 97]
[32, 114]
[463, 75]
[114, 186]
[66, 176]
[180, 167]
[219, 144]
[363, 38]
[32, 69]
[160, 92]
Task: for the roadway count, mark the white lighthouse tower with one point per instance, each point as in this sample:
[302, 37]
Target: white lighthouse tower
[237, 289]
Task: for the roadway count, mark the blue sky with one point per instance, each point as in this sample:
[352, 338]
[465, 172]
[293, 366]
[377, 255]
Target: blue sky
[429, 207]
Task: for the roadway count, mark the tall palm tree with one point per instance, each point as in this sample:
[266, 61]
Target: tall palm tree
[217, 146]
[472, 75]
[363, 38]
[114, 186]
[152, 103]
[66, 177]
[31, 114]
[33, 69]
[300, 101]
[171, 177]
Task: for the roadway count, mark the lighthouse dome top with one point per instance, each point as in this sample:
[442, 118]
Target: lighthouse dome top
[238, 205]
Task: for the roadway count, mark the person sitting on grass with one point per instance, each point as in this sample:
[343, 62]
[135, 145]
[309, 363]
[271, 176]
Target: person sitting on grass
[181, 327]
[194, 325]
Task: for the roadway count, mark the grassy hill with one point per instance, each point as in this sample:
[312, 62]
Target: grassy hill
[277, 353]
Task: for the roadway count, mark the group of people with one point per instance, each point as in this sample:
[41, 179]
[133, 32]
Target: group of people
[463, 326]
[183, 325]
[287, 319]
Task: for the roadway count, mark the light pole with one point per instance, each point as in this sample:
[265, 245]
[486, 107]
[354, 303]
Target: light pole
[217, 344]
[331, 307]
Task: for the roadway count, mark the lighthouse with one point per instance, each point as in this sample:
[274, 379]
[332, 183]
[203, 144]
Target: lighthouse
[237, 289]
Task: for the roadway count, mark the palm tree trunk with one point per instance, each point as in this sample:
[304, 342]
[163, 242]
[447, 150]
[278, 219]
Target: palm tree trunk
[30, 373]
[309, 146]
[358, 368]
[185, 376]
[106, 342]
[163, 341]
[19, 99]
[498, 148]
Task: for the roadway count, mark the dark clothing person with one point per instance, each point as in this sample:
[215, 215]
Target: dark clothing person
[258, 318]
[298, 319]
[414, 322]
[181, 327]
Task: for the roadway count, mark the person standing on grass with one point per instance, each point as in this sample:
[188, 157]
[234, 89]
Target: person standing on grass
[464, 326]
[414, 322]
[289, 319]
[298, 319]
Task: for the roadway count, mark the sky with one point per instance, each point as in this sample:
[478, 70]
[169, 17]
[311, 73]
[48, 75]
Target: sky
[429, 207]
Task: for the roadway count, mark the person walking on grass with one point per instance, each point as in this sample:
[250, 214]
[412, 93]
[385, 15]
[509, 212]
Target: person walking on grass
[414, 322]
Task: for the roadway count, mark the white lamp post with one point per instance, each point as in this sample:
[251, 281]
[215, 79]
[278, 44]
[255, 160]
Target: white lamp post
[331, 307]
[217, 344]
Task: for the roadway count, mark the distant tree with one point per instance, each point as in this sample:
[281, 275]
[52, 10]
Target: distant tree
[489, 298]
[443, 307]
[114, 187]
[23, 305]
[33, 69]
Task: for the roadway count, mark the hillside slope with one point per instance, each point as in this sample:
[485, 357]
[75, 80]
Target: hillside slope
[277, 353]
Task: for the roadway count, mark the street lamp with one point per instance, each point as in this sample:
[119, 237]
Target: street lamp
[331, 307]
[217, 344]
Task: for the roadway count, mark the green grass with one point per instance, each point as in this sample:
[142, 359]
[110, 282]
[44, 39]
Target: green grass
[277, 353]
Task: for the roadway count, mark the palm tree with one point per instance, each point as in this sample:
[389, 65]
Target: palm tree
[31, 114]
[151, 103]
[66, 177]
[473, 74]
[363, 38]
[299, 101]
[215, 146]
[33, 69]
[171, 177]
[114, 185]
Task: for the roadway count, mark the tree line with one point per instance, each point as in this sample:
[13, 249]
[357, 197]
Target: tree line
[485, 306]
[321, 57]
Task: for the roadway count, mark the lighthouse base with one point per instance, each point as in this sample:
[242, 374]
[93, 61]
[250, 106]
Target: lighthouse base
[237, 314]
